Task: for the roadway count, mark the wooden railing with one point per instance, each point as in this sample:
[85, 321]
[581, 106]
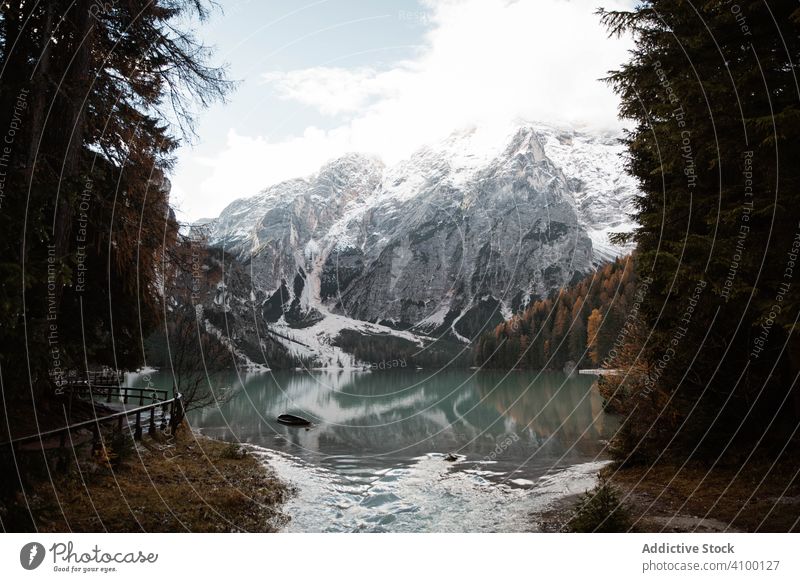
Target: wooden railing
[106, 384]
[123, 393]
[95, 377]
[172, 408]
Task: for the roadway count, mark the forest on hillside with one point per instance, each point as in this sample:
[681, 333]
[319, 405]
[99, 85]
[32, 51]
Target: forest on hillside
[577, 327]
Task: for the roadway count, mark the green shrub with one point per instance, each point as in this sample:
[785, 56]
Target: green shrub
[233, 451]
[600, 510]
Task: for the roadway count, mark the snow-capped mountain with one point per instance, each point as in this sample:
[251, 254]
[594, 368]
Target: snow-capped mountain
[445, 243]
[602, 190]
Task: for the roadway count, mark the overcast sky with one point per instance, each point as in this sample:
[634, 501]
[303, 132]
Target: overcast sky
[324, 78]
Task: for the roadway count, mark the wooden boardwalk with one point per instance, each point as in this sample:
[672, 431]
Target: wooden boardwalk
[124, 408]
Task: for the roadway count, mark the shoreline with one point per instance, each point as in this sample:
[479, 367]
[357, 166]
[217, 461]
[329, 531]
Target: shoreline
[196, 483]
[562, 487]
[668, 499]
[671, 498]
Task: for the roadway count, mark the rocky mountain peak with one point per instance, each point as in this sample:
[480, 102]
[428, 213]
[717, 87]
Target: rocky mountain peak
[447, 242]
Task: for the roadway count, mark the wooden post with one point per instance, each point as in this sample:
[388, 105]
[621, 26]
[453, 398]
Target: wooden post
[125, 397]
[137, 432]
[177, 413]
[152, 428]
[164, 412]
[141, 396]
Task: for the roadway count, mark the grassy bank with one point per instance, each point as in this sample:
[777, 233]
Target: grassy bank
[161, 484]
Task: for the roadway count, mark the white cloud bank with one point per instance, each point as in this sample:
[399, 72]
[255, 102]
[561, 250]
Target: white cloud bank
[483, 62]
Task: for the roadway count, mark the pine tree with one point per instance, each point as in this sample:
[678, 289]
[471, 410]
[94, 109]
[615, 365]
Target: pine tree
[714, 99]
[99, 94]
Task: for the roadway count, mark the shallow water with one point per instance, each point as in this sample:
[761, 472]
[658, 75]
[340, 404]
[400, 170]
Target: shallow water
[375, 457]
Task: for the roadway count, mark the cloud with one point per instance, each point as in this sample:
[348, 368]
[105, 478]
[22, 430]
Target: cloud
[482, 63]
[334, 90]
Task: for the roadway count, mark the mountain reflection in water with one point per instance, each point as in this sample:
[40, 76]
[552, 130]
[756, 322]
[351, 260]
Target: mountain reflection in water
[375, 453]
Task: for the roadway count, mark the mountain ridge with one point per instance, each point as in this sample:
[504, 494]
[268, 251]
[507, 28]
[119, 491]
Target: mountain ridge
[446, 243]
